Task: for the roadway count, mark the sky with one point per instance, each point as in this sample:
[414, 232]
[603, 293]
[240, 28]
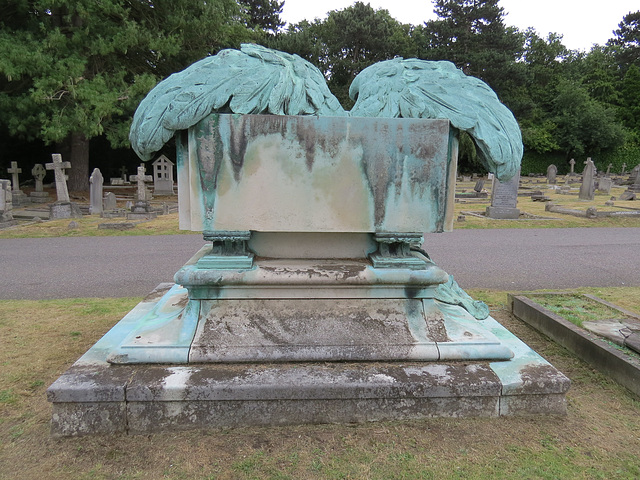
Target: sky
[581, 23]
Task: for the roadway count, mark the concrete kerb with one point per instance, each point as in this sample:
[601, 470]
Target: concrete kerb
[586, 346]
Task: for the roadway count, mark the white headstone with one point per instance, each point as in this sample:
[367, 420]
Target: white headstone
[58, 166]
[5, 196]
[163, 176]
[95, 192]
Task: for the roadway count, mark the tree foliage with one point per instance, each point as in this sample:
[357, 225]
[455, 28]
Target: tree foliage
[73, 70]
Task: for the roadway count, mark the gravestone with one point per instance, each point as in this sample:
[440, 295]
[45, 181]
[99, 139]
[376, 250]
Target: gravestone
[624, 167]
[142, 195]
[163, 176]
[479, 186]
[116, 181]
[141, 209]
[18, 196]
[572, 162]
[95, 192]
[109, 203]
[552, 171]
[587, 189]
[62, 208]
[608, 172]
[312, 299]
[39, 195]
[6, 204]
[504, 199]
[605, 184]
[124, 176]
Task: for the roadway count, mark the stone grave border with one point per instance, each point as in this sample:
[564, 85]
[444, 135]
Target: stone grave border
[587, 346]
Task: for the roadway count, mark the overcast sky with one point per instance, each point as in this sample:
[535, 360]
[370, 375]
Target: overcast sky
[581, 22]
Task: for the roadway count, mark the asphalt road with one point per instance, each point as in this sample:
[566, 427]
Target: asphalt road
[497, 259]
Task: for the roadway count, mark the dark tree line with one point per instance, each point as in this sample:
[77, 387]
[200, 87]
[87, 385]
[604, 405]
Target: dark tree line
[73, 72]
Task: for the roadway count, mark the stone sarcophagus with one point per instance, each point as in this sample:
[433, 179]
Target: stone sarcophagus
[313, 299]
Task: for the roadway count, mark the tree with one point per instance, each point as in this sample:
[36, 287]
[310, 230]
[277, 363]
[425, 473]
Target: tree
[584, 125]
[264, 15]
[626, 42]
[472, 35]
[76, 69]
[630, 112]
[346, 42]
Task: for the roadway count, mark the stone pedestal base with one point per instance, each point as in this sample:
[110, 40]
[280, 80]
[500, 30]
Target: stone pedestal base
[61, 210]
[503, 212]
[94, 396]
[39, 197]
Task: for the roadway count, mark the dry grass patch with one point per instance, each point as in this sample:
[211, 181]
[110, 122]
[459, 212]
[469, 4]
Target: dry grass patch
[551, 220]
[600, 437]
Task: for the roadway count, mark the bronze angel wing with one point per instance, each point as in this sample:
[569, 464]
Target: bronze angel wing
[422, 89]
[253, 79]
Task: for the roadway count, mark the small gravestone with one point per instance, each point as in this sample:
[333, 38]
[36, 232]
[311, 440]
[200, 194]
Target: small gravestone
[624, 167]
[95, 192]
[466, 178]
[39, 195]
[587, 189]
[62, 208]
[627, 195]
[605, 184]
[608, 173]
[163, 176]
[479, 186]
[490, 176]
[6, 204]
[552, 171]
[109, 202]
[116, 181]
[504, 199]
[123, 175]
[572, 162]
[141, 209]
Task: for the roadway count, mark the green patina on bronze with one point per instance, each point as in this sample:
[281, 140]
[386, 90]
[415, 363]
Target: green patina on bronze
[256, 80]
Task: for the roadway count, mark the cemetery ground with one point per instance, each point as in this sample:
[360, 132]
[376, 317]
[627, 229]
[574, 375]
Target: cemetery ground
[599, 438]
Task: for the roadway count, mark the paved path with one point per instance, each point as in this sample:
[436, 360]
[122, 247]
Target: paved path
[497, 259]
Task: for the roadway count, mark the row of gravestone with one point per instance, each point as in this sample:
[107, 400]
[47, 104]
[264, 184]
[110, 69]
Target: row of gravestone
[10, 193]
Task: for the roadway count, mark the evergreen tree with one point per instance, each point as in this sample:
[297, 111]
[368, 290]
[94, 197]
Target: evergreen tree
[264, 15]
[472, 35]
[71, 70]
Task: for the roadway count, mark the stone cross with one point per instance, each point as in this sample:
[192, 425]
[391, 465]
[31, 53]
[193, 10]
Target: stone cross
[608, 170]
[58, 166]
[38, 173]
[140, 178]
[624, 167]
[14, 171]
[572, 162]
[95, 192]
[123, 173]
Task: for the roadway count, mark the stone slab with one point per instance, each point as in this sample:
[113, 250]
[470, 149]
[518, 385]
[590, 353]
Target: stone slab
[502, 213]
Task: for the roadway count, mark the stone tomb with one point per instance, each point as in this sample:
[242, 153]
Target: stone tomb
[314, 227]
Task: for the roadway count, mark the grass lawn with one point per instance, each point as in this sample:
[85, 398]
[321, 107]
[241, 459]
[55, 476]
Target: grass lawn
[599, 438]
